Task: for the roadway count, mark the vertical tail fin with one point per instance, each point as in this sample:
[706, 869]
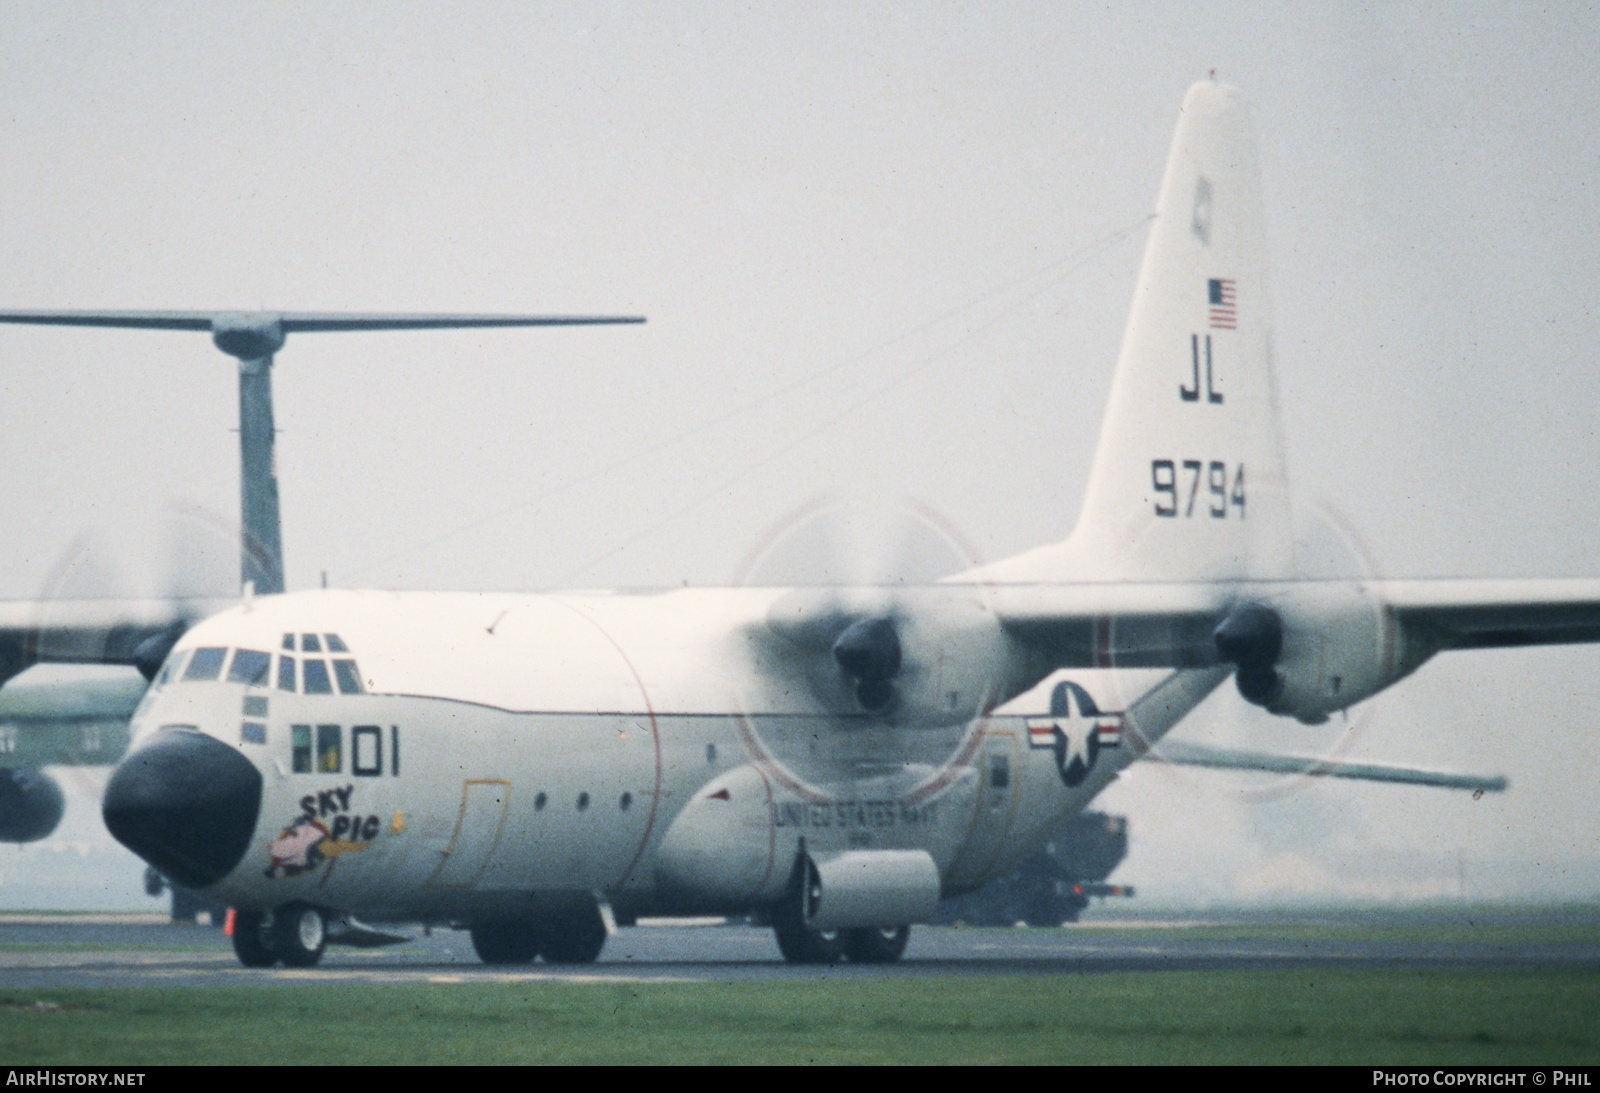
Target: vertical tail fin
[1189, 480]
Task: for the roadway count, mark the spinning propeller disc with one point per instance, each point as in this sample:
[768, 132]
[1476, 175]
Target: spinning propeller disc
[852, 552]
[1327, 548]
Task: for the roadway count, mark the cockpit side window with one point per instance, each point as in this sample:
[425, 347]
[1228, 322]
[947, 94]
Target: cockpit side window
[300, 755]
[288, 642]
[330, 750]
[250, 667]
[310, 644]
[335, 643]
[286, 677]
[349, 679]
[170, 670]
[316, 678]
[206, 665]
[366, 750]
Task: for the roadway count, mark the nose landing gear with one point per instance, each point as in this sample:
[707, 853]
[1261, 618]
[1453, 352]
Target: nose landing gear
[293, 935]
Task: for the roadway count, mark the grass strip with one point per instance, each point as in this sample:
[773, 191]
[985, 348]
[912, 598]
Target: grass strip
[1365, 1016]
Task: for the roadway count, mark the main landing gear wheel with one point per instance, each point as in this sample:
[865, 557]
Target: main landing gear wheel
[800, 944]
[299, 934]
[876, 945]
[577, 939]
[797, 941]
[514, 942]
[250, 942]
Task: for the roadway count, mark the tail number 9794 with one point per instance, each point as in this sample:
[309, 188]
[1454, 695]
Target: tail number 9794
[1178, 488]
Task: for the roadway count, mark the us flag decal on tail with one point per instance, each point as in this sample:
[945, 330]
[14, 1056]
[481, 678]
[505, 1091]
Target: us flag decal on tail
[1224, 310]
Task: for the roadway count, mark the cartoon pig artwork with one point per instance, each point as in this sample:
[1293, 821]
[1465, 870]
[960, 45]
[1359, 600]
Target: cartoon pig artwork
[295, 850]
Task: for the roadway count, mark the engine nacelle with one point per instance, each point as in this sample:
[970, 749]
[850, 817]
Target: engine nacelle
[916, 658]
[31, 804]
[1321, 647]
[871, 888]
[958, 662]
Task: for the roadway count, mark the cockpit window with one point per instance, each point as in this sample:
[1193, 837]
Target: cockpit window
[335, 645]
[310, 644]
[170, 670]
[316, 678]
[288, 642]
[349, 678]
[286, 680]
[206, 665]
[250, 667]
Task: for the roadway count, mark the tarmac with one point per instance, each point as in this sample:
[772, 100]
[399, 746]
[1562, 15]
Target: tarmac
[63, 951]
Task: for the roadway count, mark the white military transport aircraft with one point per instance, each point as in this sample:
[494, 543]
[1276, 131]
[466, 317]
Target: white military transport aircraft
[538, 768]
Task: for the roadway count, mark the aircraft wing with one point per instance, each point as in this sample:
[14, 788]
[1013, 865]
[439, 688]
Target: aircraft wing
[1126, 625]
[1482, 614]
[76, 722]
[99, 631]
[81, 722]
[1201, 755]
[1173, 625]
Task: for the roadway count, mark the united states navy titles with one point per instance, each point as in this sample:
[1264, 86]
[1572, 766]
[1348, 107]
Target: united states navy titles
[852, 814]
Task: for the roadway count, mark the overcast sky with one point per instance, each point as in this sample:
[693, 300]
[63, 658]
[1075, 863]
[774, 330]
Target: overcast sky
[886, 252]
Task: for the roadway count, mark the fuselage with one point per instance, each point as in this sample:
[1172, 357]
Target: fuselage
[462, 756]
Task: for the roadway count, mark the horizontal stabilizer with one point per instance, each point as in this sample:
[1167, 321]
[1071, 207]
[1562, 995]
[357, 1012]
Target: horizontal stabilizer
[1200, 755]
[301, 322]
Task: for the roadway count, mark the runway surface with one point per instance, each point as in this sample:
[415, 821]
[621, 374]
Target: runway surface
[131, 951]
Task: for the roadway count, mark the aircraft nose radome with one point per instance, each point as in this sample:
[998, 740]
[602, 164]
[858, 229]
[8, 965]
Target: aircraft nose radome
[185, 803]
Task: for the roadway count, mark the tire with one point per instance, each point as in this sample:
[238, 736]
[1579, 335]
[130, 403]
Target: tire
[574, 940]
[875, 945]
[299, 934]
[187, 905]
[1070, 912]
[250, 940]
[510, 942]
[800, 944]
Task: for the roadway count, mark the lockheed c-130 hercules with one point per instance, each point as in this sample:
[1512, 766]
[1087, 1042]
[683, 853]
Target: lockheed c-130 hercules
[541, 768]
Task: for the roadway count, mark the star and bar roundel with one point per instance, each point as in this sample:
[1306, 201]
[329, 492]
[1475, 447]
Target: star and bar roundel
[1076, 730]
